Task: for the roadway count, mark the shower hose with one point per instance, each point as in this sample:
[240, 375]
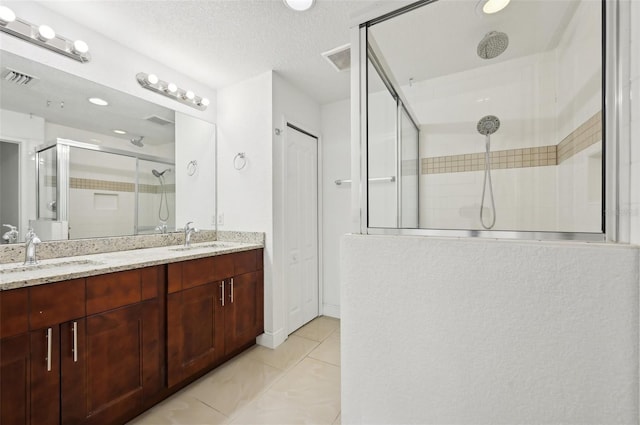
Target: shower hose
[487, 176]
[163, 198]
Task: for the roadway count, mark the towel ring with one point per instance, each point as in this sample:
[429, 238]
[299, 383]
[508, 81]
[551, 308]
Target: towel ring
[239, 165]
[192, 167]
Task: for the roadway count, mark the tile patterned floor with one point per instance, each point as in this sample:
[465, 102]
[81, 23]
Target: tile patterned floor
[297, 383]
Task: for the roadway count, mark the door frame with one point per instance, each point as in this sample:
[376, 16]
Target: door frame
[315, 134]
[22, 220]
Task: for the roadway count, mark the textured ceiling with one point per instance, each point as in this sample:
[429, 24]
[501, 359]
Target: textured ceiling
[221, 42]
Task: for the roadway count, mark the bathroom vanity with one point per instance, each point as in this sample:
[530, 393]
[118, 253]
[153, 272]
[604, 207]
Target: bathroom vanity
[101, 338]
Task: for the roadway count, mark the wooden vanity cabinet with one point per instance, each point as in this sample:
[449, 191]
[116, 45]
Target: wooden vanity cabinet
[15, 385]
[214, 309]
[91, 352]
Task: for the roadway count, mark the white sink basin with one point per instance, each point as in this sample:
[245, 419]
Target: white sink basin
[207, 246]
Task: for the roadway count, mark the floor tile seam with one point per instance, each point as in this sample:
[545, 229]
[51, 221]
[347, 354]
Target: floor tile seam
[337, 416]
[325, 362]
[257, 396]
[210, 407]
[286, 369]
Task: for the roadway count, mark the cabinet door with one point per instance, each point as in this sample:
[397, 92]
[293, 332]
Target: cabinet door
[45, 375]
[195, 330]
[117, 345]
[241, 321]
[14, 380]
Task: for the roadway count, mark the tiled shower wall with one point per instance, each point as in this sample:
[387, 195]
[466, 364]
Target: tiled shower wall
[545, 169]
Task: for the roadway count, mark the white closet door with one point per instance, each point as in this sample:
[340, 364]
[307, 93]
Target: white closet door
[301, 227]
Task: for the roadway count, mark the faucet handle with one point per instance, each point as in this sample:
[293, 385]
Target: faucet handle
[11, 228]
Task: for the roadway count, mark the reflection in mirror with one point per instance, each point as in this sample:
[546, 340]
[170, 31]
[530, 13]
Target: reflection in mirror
[537, 66]
[39, 105]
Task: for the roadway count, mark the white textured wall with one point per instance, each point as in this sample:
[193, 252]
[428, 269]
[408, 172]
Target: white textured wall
[454, 331]
[336, 155]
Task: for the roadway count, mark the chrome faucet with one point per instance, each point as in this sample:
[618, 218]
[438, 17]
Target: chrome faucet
[12, 235]
[31, 240]
[188, 231]
[162, 228]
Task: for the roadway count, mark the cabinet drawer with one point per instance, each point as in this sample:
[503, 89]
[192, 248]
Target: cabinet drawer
[244, 262]
[206, 270]
[56, 303]
[113, 290]
[14, 309]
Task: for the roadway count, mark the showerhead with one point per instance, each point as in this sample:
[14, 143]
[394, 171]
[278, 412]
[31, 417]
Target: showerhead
[138, 141]
[159, 173]
[493, 45]
[488, 125]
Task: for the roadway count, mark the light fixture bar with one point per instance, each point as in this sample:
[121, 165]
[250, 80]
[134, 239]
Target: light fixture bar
[171, 90]
[45, 36]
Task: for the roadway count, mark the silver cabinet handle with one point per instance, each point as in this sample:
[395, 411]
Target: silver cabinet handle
[231, 295]
[75, 342]
[49, 343]
[222, 288]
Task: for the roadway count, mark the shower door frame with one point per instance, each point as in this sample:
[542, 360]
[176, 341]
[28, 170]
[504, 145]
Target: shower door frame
[614, 120]
[62, 147]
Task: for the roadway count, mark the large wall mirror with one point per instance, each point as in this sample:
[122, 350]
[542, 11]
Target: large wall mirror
[491, 123]
[72, 167]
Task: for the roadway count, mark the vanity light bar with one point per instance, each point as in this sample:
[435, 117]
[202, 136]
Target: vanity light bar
[187, 97]
[43, 36]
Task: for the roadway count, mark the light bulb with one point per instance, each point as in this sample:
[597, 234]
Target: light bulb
[189, 95]
[299, 5]
[6, 15]
[204, 101]
[152, 79]
[46, 33]
[172, 88]
[80, 47]
[493, 6]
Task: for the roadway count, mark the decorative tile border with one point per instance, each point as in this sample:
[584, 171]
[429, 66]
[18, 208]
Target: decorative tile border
[510, 158]
[587, 134]
[111, 186]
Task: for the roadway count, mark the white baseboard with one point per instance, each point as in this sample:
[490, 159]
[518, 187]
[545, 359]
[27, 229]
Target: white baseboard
[331, 310]
[272, 339]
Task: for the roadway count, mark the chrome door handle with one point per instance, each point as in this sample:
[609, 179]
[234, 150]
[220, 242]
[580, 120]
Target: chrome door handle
[222, 288]
[231, 295]
[74, 350]
[49, 346]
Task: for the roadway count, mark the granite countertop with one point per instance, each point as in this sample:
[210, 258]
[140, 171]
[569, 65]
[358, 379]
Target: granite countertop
[16, 275]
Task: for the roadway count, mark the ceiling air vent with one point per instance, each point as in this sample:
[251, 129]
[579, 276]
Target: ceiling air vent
[339, 58]
[18, 78]
[159, 120]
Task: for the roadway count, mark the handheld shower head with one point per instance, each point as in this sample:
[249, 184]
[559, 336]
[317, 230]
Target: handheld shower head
[488, 125]
[137, 141]
[160, 173]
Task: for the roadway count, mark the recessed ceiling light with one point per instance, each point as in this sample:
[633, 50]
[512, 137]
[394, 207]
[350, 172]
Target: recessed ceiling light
[299, 5]
[98, 101]
[119, 131]
[493, 6]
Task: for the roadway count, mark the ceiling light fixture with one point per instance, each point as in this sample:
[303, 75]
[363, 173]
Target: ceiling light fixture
[171, 90]
[43, 36]
[299, 5]
[119, 131]
[492, 6]
[98, 101]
